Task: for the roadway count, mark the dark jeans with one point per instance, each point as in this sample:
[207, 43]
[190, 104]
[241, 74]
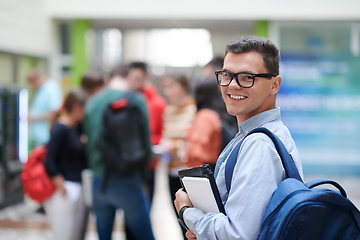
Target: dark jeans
[122, 192]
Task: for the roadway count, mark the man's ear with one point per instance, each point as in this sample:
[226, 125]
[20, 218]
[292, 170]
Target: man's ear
[276, 84]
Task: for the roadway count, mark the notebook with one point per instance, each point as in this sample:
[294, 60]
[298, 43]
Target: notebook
[200, 185]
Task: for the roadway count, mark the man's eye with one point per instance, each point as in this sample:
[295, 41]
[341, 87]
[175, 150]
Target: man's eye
[247, 77]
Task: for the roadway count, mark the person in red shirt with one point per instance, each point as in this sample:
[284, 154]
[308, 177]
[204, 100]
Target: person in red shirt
[139, 80]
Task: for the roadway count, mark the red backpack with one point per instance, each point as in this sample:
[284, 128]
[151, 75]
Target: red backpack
[36, 182]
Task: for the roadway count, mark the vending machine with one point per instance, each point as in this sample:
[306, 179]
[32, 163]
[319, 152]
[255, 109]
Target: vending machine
[13, 143]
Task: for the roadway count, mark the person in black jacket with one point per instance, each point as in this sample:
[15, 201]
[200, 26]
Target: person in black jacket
[64, 163]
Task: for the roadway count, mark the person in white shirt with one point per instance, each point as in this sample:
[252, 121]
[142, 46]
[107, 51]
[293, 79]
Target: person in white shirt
[249, 82]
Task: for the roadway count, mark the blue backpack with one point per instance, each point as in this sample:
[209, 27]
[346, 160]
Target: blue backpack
[299, 211]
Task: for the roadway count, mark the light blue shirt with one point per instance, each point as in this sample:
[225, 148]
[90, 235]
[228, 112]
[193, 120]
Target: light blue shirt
[47, 98]
[257, 174]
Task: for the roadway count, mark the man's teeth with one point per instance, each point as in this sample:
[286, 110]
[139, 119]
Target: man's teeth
[237, 97]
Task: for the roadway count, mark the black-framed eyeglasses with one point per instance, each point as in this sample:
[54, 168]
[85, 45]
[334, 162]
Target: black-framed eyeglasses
[243, 79]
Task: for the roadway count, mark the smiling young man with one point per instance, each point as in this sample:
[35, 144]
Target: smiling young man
[249, 82]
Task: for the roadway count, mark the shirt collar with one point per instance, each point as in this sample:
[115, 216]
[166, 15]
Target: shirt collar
[259, 120]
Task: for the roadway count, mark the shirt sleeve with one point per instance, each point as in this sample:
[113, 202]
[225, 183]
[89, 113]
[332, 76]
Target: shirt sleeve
[257, 174]
[55, 146]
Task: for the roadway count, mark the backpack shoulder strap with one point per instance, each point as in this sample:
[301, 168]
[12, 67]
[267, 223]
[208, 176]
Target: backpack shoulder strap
[130, 96]
[230, 164]
[286, 159]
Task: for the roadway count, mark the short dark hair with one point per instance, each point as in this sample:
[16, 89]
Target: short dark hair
[92, 80]
[262, 45]
[181, 79]
[141, 65]
[78, 95]
[120, 70]
[217, 62]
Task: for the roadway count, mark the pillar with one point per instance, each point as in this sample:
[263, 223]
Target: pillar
[262, 28]
[78, 50]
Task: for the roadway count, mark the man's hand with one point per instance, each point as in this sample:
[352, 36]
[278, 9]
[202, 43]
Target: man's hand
[59, 183]
[181, 200]
[190, 235]
[47, 117]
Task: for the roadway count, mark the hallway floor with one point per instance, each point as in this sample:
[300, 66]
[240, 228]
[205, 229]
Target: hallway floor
[20, 222]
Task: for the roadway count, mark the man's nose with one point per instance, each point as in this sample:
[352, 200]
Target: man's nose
[234, 84]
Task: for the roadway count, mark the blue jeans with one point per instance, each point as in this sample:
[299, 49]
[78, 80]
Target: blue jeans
[122, 192]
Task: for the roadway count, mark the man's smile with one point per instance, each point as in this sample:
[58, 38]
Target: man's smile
[236, 97]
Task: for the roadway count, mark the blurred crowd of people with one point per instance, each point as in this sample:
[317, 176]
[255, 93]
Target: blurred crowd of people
[188, 127]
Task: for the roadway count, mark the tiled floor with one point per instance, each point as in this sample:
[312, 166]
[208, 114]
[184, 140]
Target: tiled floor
[20, 223]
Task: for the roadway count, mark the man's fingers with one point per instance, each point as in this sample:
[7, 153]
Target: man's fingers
[190, 235]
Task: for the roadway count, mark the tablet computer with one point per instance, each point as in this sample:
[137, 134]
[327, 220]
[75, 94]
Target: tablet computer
[201, 187]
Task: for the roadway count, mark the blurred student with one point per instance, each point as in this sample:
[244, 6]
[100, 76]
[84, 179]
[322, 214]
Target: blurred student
[213, 65]
[230, 123]
[45, 104]
[178, 118]
[64, 162]
[139, 80]
[92, 82]
[122, 191]
[213, 126]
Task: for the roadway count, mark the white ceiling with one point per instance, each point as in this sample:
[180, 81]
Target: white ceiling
[211, 24]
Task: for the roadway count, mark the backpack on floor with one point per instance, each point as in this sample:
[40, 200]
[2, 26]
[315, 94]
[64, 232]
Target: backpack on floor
[36, 182]
[299, 211]
[122, 143]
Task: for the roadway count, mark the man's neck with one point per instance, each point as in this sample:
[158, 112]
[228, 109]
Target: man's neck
[243, 118]
[41, 83]
[118, 83]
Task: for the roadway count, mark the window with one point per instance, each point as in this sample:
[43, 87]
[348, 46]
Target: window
[178, 47]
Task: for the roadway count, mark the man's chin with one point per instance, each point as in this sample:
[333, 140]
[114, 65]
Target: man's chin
[232, 111]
